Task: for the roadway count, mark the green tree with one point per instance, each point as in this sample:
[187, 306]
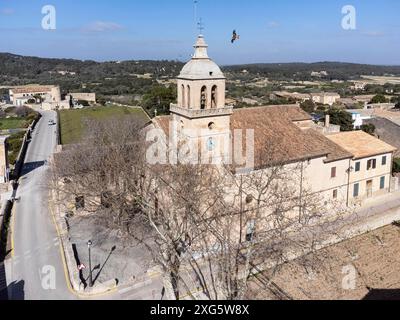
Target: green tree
[159, 98]
[396, 165]
[379, 98]
[396, 100]
[341, 118]
[308, 106]
[369, 128]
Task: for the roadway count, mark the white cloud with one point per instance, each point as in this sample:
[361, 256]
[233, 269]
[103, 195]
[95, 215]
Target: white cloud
[102, 26]
[7, 11]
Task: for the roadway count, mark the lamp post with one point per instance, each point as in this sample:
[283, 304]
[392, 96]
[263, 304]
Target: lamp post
[89, 244]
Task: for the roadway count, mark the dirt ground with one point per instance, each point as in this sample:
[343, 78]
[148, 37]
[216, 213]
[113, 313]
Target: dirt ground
[373, 259]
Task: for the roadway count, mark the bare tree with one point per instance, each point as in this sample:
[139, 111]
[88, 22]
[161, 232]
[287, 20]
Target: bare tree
[209, 227]
[269, 219]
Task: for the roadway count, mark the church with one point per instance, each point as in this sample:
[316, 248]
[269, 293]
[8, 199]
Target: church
[347, 167]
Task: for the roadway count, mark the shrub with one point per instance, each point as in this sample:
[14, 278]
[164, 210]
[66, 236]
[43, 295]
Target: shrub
[369, 128]
[396, 165]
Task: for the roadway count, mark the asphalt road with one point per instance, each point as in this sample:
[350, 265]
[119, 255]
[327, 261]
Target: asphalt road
[36, 271]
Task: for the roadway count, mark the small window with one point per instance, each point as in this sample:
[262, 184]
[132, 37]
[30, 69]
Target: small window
[333, 172]
[335, 194]
[356, 191]
[371, 164]
[383, 182]
[358, 166]
[384, 161]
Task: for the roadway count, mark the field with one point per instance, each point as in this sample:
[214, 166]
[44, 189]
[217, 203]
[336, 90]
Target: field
[71, 121]
[381, 80]
[13, 123]
[373, 257]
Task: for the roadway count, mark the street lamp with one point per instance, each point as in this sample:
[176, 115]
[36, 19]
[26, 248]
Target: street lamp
[89, 244]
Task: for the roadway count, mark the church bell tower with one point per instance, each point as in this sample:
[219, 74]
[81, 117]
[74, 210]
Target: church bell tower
[200, 113]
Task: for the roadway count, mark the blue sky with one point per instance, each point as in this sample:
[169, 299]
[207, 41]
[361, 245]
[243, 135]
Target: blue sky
[270, 30]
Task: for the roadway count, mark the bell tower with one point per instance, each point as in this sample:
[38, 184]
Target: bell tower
[200, 113]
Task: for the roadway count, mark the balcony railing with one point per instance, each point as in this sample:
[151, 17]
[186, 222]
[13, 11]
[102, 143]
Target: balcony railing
[193, 113]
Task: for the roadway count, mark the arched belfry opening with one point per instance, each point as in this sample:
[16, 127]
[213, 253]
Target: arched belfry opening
[188, 97]
[183, 96]
[203, 98]
[214, 97]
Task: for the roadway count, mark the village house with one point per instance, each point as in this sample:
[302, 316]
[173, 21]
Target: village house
[21, 95]
[328, 98]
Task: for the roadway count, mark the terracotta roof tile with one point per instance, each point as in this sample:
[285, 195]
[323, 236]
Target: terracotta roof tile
[361, 144]
[31, 89]
[279, 140]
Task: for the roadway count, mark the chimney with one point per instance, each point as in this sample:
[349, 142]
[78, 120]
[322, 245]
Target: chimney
[327, 121]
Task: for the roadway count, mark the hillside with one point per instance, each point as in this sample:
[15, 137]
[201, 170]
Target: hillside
[107, 78]
[15, 69]
[302, 71]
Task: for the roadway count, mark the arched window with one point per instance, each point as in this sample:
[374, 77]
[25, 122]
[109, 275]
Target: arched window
[183, 96]
[188, 96]
[203, 98]
[214, 96]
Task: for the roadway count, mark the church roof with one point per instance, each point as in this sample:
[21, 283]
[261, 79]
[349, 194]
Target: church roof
[201, 66]
[277, 139]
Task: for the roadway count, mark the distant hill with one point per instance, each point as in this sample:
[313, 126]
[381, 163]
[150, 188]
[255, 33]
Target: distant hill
[71, 74]
[302, 71]
[124, 77]
[15, 65]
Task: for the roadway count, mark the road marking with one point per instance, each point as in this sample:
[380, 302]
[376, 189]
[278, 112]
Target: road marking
[12, 230]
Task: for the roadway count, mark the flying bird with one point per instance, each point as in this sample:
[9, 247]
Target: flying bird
[235, 36]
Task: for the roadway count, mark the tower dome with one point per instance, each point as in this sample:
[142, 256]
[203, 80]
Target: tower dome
[201, 67]
[201, 84]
